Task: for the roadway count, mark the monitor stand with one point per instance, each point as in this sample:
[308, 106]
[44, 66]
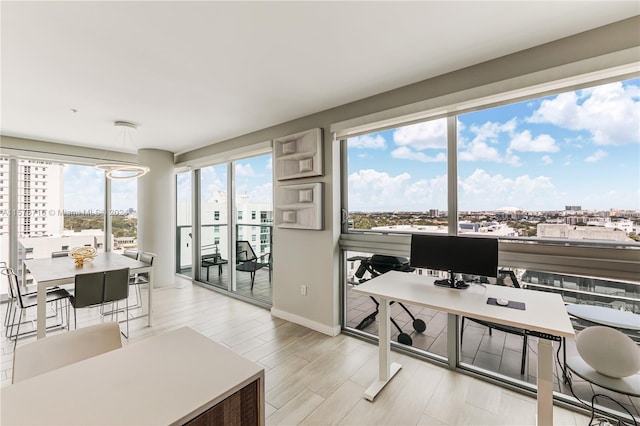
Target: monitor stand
[451, 282]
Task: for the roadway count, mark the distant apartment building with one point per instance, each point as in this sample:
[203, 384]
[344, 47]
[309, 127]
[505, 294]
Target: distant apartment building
[40, 198]
[253, 223]
[581, 232]
[464, 228]
[39, 201]
[573, 208]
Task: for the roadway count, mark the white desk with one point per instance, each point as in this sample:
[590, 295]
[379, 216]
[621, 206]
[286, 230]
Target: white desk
[62, 270]
[545, 313]
[166, 379]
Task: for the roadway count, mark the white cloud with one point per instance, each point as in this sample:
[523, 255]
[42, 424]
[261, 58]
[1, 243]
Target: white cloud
[478, 150]
[484, 191]
[261, 193]
[428, 135]
[490, 130]
[368, 142]
[269, 165]
[211, 183]
[596, 156]
[371, 190]
[525, 143]
[609, 112]
[406, 153]
[546, 159]
[244, 170]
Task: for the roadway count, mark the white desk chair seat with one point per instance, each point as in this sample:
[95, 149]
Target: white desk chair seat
[50, 353]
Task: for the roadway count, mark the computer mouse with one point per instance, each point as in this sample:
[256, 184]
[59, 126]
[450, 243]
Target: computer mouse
[502, 302]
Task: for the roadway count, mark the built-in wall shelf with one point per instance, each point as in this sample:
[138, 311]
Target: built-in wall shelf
[299, 206]
[298, 155]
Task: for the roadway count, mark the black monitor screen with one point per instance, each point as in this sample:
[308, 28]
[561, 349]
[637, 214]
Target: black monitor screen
[463, 255]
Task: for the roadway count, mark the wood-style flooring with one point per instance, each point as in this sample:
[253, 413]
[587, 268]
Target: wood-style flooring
[315, 379]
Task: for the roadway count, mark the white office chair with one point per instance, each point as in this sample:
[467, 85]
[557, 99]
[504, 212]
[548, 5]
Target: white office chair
[50, 353]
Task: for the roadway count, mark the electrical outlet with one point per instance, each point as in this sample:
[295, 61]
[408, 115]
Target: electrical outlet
[303, 290]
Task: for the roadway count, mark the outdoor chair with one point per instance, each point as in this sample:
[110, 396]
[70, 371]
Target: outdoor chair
[375, 266]
[506, 278]
[247, 261]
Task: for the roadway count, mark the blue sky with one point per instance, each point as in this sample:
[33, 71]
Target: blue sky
[84, 185]
[576, 148]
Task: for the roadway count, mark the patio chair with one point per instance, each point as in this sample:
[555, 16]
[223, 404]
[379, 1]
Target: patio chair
[377, 265]
[247, 261]
[508, 278]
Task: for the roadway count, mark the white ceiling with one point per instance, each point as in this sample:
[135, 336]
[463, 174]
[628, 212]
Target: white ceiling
[195, 73]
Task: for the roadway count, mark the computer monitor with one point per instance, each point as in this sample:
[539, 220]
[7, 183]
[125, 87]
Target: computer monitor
[455, 254]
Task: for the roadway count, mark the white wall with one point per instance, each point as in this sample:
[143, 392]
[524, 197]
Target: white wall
[156, 213]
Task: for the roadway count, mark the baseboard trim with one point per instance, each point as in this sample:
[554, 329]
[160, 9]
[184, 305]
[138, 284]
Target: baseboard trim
[306, 322]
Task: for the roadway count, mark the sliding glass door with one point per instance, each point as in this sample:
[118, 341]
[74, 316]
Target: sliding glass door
[214, 250]
[253, 220]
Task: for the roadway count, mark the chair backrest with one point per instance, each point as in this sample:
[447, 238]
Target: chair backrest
[116, 285]
[508, 278]
[88, 289]
[244, 252]
[43, 355]
[14, 288]
[147, 257]
[64, 253]
[133, 254]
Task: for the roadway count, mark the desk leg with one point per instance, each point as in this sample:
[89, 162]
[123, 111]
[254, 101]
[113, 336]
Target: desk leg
[150, 295]
[386, 369]
[41, 320]
[545, 382]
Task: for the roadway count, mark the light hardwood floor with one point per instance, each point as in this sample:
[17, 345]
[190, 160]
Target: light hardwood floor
[314, 379]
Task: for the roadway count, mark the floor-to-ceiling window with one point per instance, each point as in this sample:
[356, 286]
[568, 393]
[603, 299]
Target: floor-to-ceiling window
[60, 206]
[184, 229]
[235, 232]
[214, 247]
[557, 173]
[397, 183]
[253, 224]
[124, 214]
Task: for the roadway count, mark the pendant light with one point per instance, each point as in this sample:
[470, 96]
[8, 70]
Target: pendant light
[124, 170]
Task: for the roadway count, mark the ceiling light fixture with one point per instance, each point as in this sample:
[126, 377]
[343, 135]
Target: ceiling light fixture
[124, 170]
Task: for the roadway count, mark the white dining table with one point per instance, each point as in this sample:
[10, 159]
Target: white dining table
[51, 272]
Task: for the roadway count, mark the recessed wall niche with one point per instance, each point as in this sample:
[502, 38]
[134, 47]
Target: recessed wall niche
[300, 206]
[299, 155]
